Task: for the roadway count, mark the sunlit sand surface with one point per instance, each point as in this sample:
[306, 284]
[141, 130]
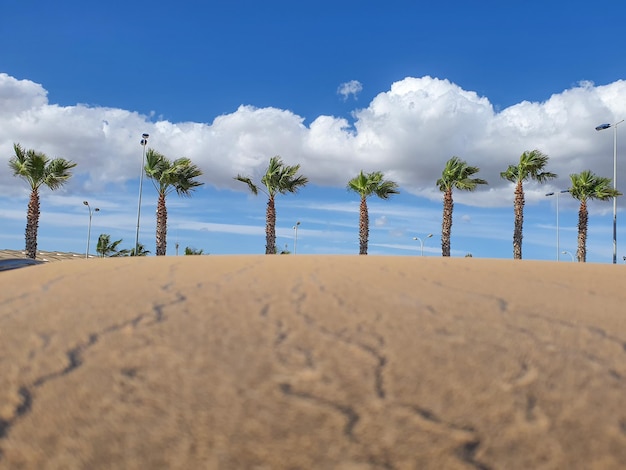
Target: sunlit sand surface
[312, 362]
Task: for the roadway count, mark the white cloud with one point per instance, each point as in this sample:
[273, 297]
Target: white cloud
[351, 88]
[408, 132]
[380, 221]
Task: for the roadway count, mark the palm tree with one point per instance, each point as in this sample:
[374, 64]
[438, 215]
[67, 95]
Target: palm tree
[278, 179]
[530, 166]
[456, 174]
[141, 251]
[37, 170]
[168, 176]
[107, 248]
[585, 186]
[189, 251]
[366, 184]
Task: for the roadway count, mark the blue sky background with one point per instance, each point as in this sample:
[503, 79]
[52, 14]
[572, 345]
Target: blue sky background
[396, 86]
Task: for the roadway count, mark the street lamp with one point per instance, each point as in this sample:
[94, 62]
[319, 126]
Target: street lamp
[422, 243]
[295, 241]
[568, 253]
[143, 142]
[89, 226]
[557, 219]
[602, 127]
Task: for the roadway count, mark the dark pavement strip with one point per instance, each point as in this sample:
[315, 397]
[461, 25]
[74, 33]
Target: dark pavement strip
[7, 264]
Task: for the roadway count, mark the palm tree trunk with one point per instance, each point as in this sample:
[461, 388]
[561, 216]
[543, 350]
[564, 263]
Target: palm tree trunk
[32, 223]
[519, 221]
[446, 224]
[161, 227]
[364, 227]
[270, 227]
[583, 219]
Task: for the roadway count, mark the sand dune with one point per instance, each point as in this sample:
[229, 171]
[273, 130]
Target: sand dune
[312, 362]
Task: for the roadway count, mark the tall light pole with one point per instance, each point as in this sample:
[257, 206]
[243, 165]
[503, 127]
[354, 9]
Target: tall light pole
[422, 243]
[144, 142]
[295, 241]
[568, 253]
[601, 127]
[89, 226]
[557, 219]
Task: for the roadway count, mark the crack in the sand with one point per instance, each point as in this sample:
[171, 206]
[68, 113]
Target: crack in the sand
[351, 416]
[75, 360]
[342, 336]
[467, 454]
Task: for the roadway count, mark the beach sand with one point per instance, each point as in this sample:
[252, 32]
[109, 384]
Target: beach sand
[313, 362]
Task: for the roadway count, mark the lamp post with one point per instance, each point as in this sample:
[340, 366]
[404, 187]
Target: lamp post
[295, 241]
[601, 127]
[144, 142]
[422, 243]
[89, 226]
[557, 219]
[568, 253]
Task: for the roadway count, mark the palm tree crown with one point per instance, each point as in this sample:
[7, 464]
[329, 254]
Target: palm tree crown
[456, 174]
[278, 179]
[366, 184]
[531, 166]
[167, 176]
[586, 186]
[38, 170]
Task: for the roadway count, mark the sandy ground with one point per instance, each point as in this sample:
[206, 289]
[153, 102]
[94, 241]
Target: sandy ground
[312, 362]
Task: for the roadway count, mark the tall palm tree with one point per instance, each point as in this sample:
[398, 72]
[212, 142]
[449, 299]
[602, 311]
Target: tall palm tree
[366, 184]
[38, 170]
[585, 186]
[167, 176]
[278, 179]
[531, 166]
[456, 174]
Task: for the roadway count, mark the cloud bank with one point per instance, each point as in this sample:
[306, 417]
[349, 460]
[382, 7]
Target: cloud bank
[408, 132]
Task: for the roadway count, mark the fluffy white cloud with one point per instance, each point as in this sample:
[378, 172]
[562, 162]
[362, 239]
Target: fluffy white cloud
[351, 88]
[408, 132]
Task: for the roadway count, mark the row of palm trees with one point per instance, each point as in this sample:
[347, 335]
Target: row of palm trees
[181, 175]
[39, 170]
[457, 174]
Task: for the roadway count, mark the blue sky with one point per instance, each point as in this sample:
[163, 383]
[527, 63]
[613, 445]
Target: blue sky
[396, 86]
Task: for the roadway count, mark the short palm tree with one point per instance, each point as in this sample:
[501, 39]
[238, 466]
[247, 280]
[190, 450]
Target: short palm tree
[456, 174]
[278, 179]
[531, 166]
[366, 184]
[585, 186]
[167, 176]
[38, 170]
[140, 248]
[106, 248]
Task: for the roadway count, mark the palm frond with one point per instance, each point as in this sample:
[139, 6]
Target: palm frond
[57, 172]
[245, 179]
[511, 174]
